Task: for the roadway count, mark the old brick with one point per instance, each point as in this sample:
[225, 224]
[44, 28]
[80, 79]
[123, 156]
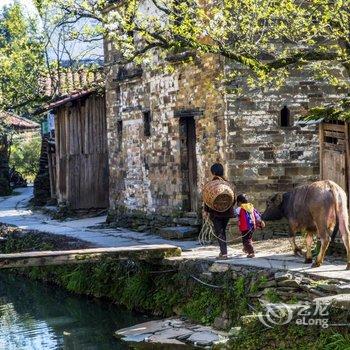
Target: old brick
[232, 130]
[295, 154]
[292, 171]
[269, 155]
[242, 155]
[265, 171]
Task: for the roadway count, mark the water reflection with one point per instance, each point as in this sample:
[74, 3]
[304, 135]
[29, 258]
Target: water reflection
[34, 316]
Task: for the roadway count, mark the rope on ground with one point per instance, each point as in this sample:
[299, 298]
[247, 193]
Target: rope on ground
[164, 271]
[208, 232]
[206, 284]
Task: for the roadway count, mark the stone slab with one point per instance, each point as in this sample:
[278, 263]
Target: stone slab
[203, 338]
[172, 331]
[343, 288]
[149, 327]
[187, 221]
[178, 232]
[341, 301]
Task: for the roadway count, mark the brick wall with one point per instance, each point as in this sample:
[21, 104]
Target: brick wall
[265, 157]
[244, 132]
[146, 171]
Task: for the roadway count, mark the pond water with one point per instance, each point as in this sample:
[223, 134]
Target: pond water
[37, 316]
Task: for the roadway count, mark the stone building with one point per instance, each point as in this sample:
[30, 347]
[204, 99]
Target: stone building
[166, 129]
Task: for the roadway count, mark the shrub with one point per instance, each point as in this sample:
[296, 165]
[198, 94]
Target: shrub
[24, 157]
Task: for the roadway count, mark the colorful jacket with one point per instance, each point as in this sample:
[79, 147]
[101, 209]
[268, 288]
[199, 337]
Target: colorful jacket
[249, 218]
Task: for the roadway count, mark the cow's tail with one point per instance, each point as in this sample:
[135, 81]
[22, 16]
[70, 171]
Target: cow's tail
[342, 214]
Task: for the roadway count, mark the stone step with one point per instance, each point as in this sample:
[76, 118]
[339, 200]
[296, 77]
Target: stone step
[179, 232]
[190, 214]
[186, 221]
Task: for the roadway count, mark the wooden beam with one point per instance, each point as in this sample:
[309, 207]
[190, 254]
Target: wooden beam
[321, 150]
[347, 161]
[334, 127]
[45, 258]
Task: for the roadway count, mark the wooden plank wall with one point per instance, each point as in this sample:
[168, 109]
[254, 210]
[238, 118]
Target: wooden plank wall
[334, 154]
[81, 153]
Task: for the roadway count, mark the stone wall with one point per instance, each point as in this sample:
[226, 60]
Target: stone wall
[265, 157]
[243, 132]
[147, 171]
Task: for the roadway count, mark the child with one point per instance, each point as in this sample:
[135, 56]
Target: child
[249, 219]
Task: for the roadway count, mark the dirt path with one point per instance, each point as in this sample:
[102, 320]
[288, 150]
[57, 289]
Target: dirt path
[273, 253]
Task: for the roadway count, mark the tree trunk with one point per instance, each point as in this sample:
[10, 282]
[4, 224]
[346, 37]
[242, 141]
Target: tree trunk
[42, 192]
[4, 166]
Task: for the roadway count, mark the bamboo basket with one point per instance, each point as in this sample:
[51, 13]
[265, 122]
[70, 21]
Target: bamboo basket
[218, 195]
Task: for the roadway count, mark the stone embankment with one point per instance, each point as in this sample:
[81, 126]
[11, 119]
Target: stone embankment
[227, 296]
[273, 298]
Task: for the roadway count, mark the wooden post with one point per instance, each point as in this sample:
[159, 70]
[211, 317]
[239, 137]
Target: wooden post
[347, 160]
[51, 170]
[320, 132]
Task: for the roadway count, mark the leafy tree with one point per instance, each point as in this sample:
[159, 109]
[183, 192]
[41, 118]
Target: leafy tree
[21, 66]
[6, 134]
[21, 60]
[266, 37]
[24, 156]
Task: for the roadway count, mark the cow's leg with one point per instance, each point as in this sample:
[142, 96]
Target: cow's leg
[345, 235]
[296, 250]
[324, 235]
[309, 242]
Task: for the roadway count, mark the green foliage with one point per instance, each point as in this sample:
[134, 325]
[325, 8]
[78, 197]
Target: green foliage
[292, 337]
[29, 242]
[24, 157]
[272, 296]
[341, 111]
[245, 32]
[336, 342]
[239, 286]
[78, 280]
[136, 291]
[204, 306]
[21, 59]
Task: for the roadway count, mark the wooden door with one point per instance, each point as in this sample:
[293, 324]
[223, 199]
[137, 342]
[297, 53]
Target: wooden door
[335, 167]
[333, 154]
[189, 163]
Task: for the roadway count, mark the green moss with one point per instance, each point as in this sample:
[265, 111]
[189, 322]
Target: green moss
[258, 284]
[136, 287]
[272, 296]
[291, 337]
[151, 289]
[204, 306]
[31, 242]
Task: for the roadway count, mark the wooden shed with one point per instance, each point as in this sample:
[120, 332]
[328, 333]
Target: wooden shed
[81, 150]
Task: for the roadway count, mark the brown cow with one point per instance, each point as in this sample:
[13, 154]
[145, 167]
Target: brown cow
[313, 208]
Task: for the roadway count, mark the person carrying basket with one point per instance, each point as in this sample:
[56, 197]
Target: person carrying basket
[224, 207]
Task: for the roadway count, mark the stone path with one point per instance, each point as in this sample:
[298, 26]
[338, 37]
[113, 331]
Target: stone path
[13, 211]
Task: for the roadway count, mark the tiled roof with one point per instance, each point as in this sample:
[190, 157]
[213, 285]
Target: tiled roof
[62, 100]
[17, 122]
